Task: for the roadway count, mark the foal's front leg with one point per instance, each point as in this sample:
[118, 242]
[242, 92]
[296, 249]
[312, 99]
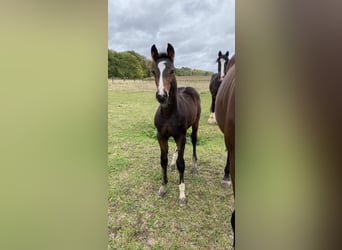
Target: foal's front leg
[163, 143]
[194, 143]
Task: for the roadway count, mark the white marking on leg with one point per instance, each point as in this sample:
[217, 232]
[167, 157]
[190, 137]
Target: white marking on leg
[222, 61]
[182, 191]
[225, 183]
[162, 191]
[161, 67]
[212, 119]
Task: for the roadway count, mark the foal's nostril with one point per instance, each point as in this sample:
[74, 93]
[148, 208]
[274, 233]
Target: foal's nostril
[161, 98]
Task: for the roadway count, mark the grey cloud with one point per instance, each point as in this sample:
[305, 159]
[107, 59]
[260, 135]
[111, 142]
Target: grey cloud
[196, 29]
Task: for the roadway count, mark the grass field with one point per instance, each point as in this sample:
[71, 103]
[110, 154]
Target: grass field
[137, 219]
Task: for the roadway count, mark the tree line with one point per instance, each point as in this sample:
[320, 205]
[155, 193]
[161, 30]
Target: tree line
[132, 65]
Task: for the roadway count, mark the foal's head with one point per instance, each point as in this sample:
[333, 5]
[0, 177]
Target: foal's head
[164, 72]
[222, 61]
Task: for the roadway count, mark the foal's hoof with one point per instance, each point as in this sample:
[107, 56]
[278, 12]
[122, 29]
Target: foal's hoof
[182, 202]
[172, 167]
[194, 171]
[226, 183]
[161, 192]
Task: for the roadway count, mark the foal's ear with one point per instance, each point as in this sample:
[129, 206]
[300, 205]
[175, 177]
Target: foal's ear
[227, 54]
[154, 52]
[170, 52]
[219, 54]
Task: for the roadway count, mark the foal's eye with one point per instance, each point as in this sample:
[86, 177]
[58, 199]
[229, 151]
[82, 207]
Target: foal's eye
[153, 72]
[172, 71]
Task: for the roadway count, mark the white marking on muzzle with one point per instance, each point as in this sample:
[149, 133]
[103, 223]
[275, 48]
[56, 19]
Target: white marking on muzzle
[161, 67]
[181, 191]
[222, 61]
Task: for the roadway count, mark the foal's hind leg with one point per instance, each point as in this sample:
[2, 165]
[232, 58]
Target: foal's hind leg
[226, 182]
[163, 162]
[181, 167]
[174, 159]
[194, 169]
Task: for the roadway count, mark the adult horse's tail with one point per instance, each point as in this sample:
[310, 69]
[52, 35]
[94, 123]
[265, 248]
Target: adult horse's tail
[225, 116]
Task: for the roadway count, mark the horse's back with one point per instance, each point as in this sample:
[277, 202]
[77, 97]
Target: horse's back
[189, 92]
[190, 101]
[225, 107]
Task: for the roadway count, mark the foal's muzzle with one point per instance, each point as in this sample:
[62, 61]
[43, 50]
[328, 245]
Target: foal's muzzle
[162, 99]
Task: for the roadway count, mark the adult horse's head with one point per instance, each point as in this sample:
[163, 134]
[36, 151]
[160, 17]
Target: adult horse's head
[222, 61]
[164, 73]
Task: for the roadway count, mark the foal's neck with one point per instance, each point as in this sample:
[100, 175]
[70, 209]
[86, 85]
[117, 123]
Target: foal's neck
[172, 100]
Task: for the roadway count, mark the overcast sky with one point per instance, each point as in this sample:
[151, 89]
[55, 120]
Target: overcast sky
[197, 29]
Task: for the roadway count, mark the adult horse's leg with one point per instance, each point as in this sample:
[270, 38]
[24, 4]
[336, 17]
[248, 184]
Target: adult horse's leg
[226, 182]
[232, 222]
[194, 143]
[181, 167]
[232, 167]
[212, 119]
[232, 174]
[163, 143]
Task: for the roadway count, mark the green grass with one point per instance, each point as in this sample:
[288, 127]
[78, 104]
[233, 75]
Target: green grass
[137, 219]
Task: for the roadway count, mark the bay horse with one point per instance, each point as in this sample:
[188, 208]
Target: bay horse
[225, 115]
[179, 109]
[215, 82]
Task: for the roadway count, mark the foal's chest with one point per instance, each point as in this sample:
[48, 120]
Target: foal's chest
[170, 127]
